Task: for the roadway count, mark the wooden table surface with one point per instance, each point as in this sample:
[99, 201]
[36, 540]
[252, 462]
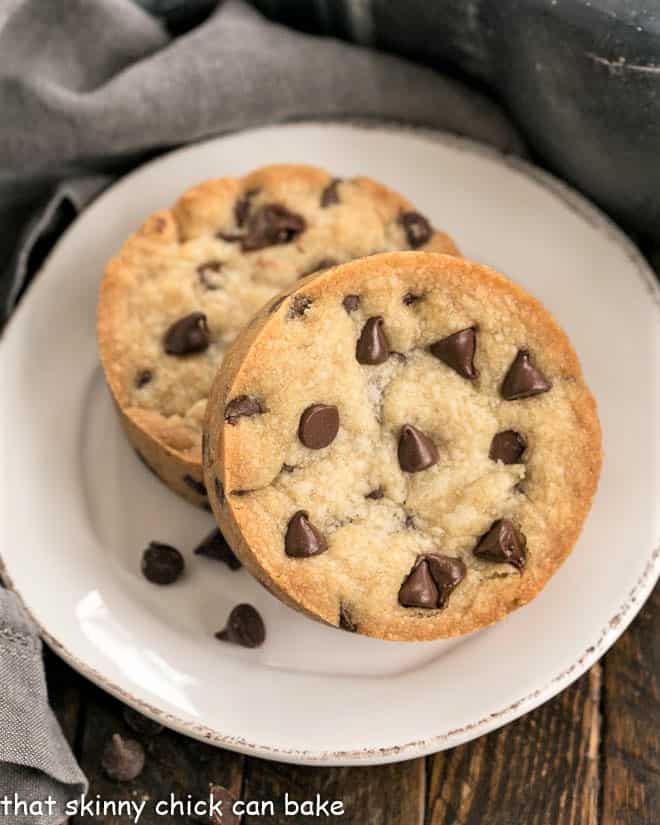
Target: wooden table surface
[590, 756]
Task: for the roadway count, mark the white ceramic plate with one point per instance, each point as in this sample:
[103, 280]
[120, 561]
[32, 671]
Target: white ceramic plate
[79, 507]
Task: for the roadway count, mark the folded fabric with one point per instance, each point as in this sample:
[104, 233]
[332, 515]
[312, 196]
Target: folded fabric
[36, 764]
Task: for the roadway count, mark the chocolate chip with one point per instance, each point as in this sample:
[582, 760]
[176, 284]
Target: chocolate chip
[418, 588]
[288, 468]
[523, 379]
[418, 229]
[447, 572]
[372, 346]
[324, 263]
[242, 206]
[188, 334]
[351, 303]
[271, 225]
[245, 627]
[330, 195]
[214, 546]
[376, 494]
[431, 581]
[502, 543]
[302, 538]
[141, 724]
[122, 759]
[162, 563]
[299, 306]
[416, 450]
[219, 490]
[507, 447]
[319, 425]
[410, 298]
[240, 407]
[206, 271]
[142, 378]
[221, 796]
[198, 486]
[410, 522]
[345, 620]
[457, 351]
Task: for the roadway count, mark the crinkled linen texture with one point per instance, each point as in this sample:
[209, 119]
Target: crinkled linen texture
[289, 363]
[154, 280]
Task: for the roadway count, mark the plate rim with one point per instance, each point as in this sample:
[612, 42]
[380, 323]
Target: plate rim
[608, 634]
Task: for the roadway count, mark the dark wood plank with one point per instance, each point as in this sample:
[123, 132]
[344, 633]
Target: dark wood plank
[540, 770]
[65, 692]
[631, 736]
[174, 764]
[380, 795]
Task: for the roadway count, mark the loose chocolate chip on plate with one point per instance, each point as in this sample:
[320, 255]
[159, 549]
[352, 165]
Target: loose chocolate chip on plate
[215, 546]
[162, 563]
[245, 627]
[416, 451]
[372, 346]
[418, 229]
[457, 351]
[142, 378]
[271, 225]
[198, 486]
[351, 303]
[507, 447]
[243, 406]
[302, 538]
[376, 494]
[330, 195]
[431, 581]
[188, 334]
[319, 425]
[299, 306]
[141, 724]
[345, 620]
[206, 271]
[122, 759]
[410, 298]
[418, 588]
[502, 543]
[523, 380]
[219, 490]
[242, 206]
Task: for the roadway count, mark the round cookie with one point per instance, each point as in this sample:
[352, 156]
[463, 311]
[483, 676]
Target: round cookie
[181, 288]
[402, 446]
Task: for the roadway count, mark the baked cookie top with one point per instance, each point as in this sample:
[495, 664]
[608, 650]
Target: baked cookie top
[181, 288]
[403, 445]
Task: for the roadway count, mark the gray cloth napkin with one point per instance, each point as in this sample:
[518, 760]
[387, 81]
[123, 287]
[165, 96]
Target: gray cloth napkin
[88, 88]
[36, 763]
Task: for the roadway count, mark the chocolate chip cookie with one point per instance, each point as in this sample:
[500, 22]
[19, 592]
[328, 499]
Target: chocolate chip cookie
[180, 289]
[403, 446]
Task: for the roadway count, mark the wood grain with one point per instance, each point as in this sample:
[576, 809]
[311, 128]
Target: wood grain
[381, 795]
[631, 737]
[540, 770]
[174, 764]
